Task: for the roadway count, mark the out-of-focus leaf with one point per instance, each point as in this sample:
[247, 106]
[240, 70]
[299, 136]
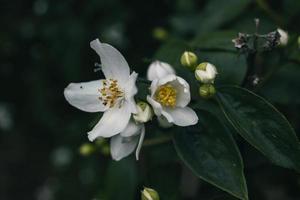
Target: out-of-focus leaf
[211, 153]
[212, 18]
[121, 180]
[259, 123]
[221, 40]
[284, 86]
[231, 67]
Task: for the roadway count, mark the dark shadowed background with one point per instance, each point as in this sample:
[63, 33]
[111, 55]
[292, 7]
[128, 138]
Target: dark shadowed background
[44, 45]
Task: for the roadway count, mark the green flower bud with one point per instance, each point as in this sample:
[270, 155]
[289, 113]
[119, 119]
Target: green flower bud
[144, 113]
[189, 60]
[105, 150]
[86, 149]
[207, 91]
[149, 194]
[160, 33]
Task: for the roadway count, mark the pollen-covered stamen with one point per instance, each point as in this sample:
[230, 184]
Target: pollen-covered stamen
[110, 92]
[166, 95]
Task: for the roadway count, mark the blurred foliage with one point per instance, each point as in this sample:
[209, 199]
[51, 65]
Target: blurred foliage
[44, 45]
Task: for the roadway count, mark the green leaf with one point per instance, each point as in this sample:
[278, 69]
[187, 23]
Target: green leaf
[231, 66]
[121, 180]
[284, 86]
[221, 40]
[211, 153]
[259, 123]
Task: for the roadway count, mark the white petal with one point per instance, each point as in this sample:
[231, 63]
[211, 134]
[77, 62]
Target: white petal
[183, 92]
[113, 64]
[120, 148]
[131, 129]
[183, 116]
[85, 96]
[163, 122]
[112, 122]
[166, 79]
[130, 86]
[158, 70]
[140, 144]
[157, 108]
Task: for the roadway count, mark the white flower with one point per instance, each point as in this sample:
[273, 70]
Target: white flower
[284, 37]
[159, 69]
[144, 113]
[114, 95]
[169, 98]
[130, 138]
[206, 72]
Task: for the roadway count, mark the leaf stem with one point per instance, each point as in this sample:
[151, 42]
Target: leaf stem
[157, 141]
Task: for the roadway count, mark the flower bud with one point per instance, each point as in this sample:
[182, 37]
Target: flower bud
[207, 91]
[284, 37]
[206, 72]
[86, 149]
[160, 33]
[149, 194]
[189, 60]
[159, 70]
[144, 113]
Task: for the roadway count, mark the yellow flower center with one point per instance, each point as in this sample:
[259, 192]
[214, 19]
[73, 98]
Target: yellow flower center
[110, 92]
[166, 95]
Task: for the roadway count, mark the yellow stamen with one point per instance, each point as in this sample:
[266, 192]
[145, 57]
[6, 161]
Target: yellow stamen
[110, 92]
[166, 95]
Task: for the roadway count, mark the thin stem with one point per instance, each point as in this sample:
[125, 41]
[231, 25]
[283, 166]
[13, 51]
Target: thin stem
[157, 141]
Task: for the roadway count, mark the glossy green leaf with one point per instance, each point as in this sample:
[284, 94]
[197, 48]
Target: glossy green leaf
[211, 153]
[259, 123]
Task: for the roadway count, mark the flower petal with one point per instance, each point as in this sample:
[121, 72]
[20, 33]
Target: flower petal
[85, 96]
[113, 64]
[120, 149]
[183, 92]
[158, 70]
[131, 129]
[140, 144]
[157, 108]
[112, 122]
[183, 116]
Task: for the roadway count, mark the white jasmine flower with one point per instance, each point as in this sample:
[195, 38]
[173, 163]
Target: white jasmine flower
[113, 95]
[284, 37]
[206, 72]
[169, 98]
[159, 69]
[130, 138]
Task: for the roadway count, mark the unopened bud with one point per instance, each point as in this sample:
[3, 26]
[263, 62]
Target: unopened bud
[86, 149]
[284, 37]
[160, 33]
[207, 91]
[189, 60]
[144, 113]
[206, 72]
[149, 194]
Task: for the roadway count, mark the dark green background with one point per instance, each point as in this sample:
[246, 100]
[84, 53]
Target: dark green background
[44, 45]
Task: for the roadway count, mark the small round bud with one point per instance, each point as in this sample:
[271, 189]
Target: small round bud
[284, 37]
[207, 91]
[206, 72]
[149, 194]
[86, 149]
[189, 60]
[144, 113]
[160, 33]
